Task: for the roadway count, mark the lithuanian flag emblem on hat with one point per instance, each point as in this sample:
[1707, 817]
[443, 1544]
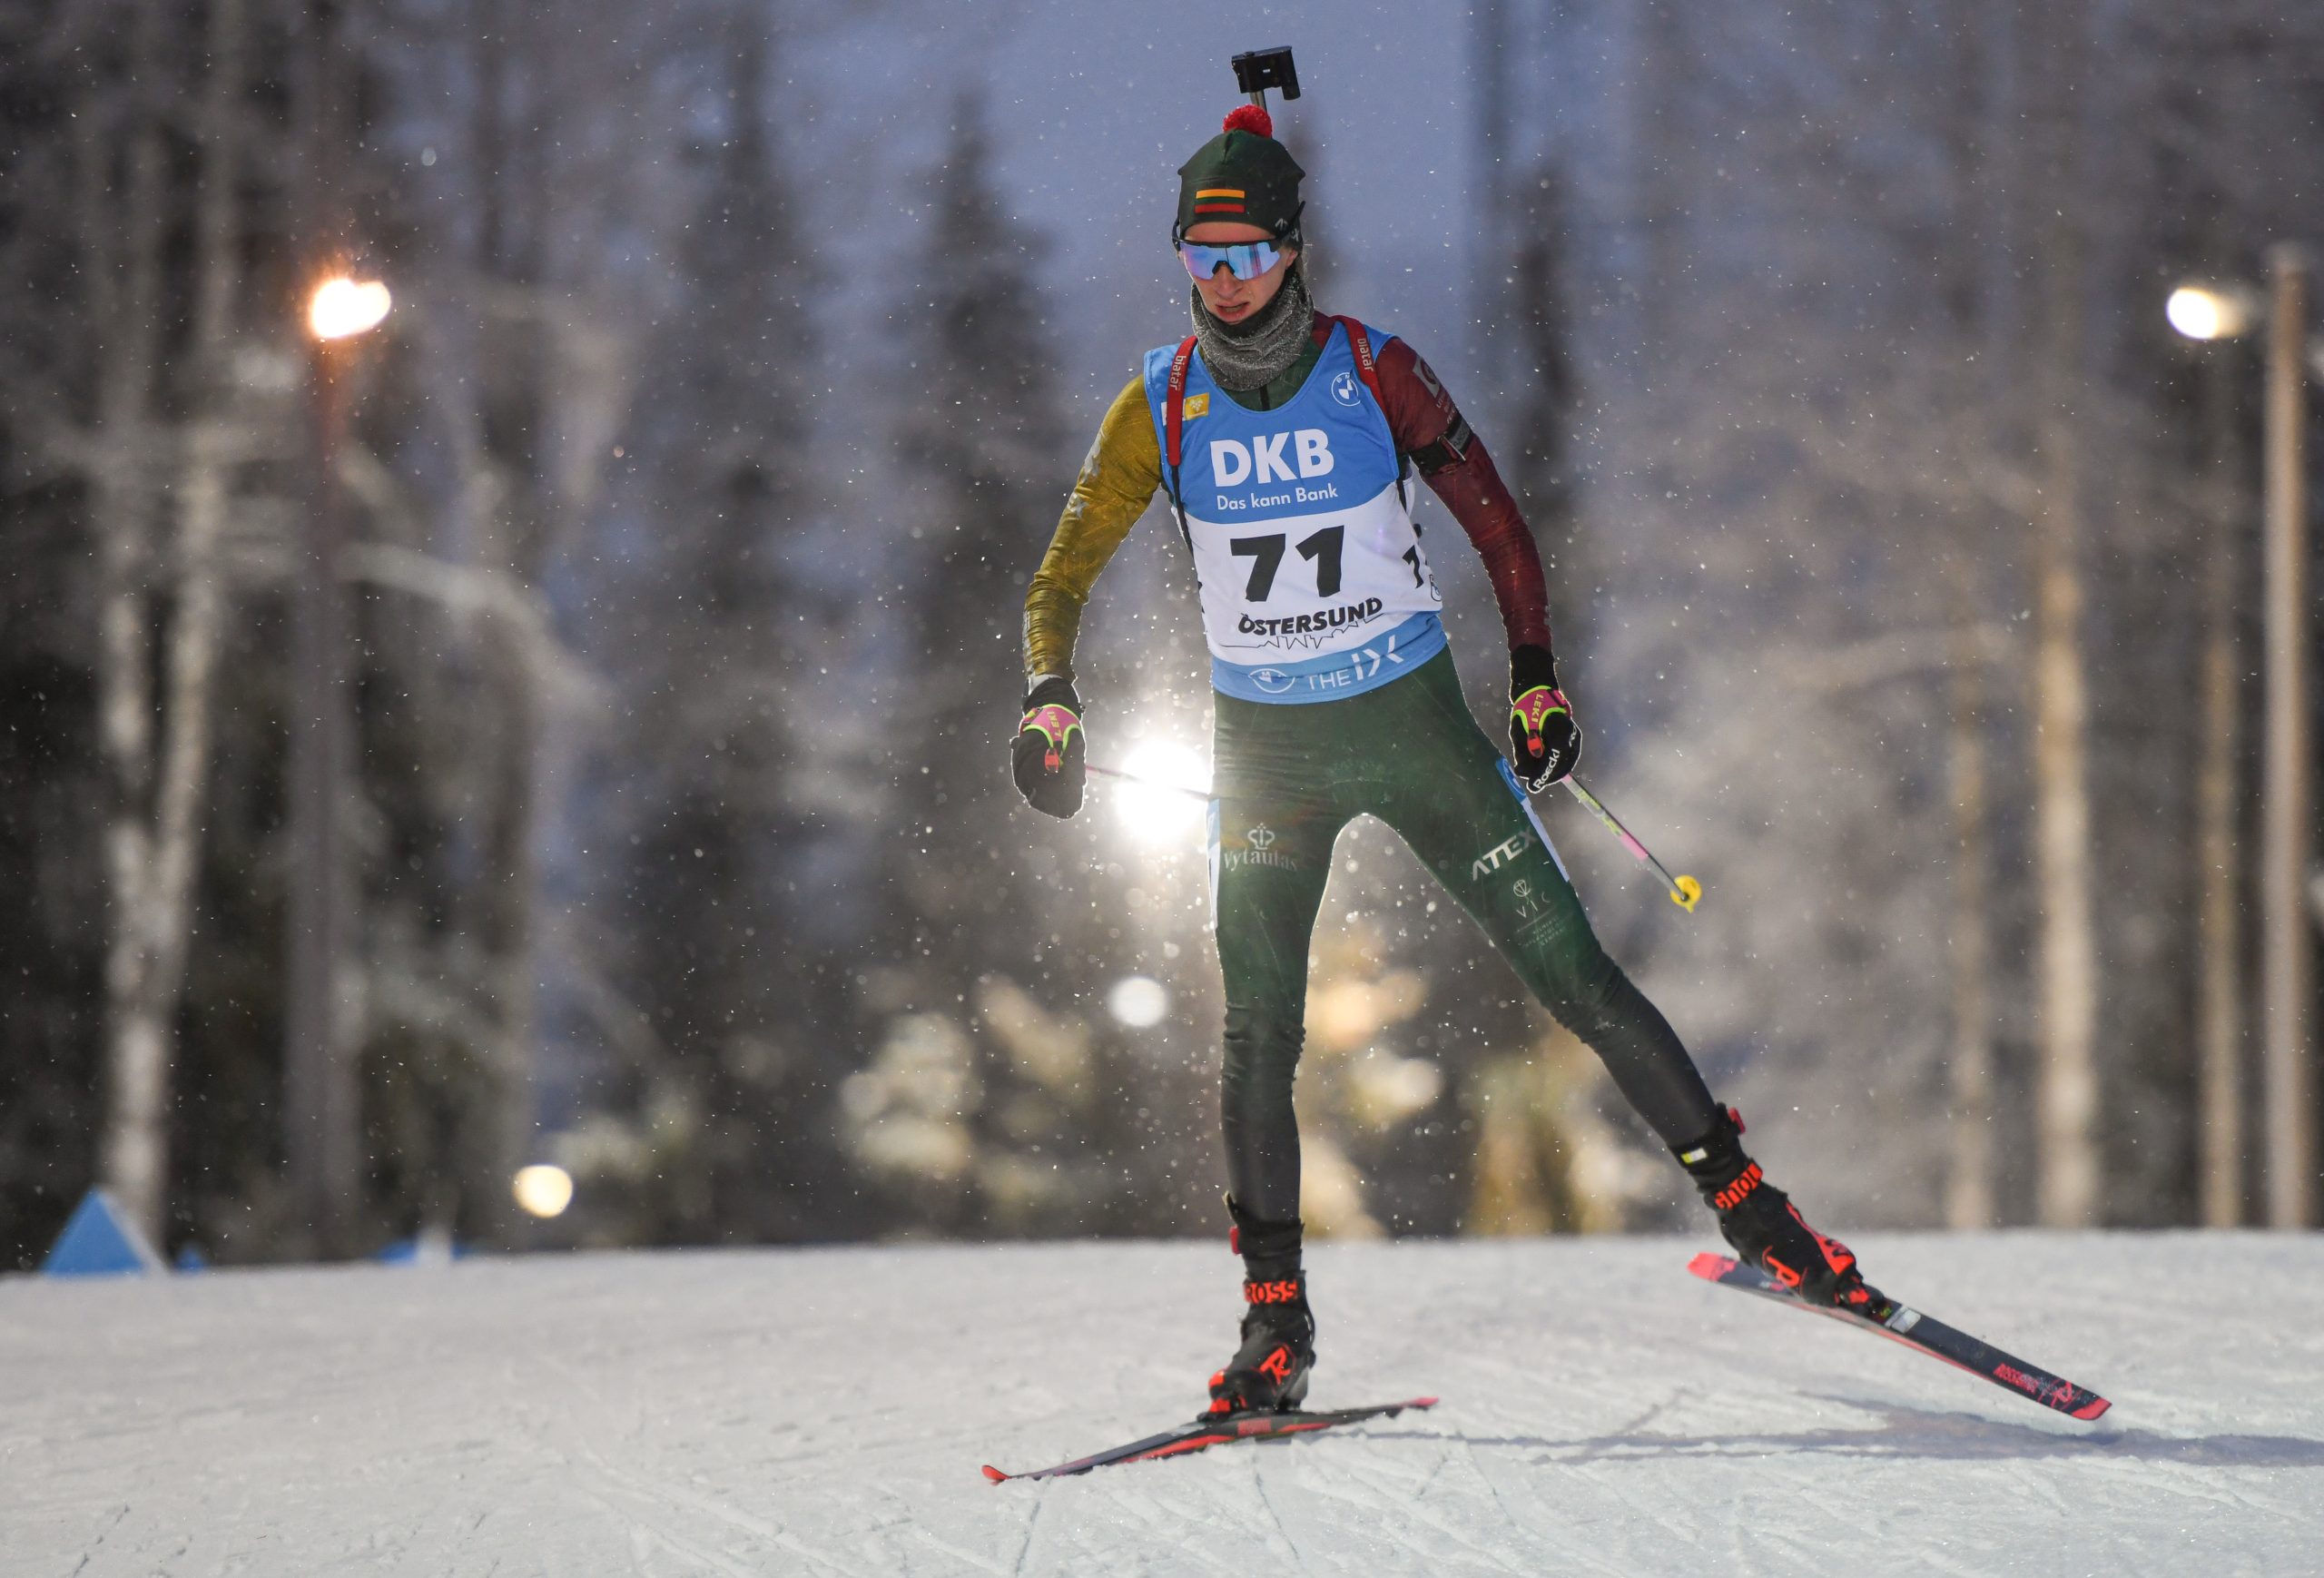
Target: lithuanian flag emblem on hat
[1219, 200]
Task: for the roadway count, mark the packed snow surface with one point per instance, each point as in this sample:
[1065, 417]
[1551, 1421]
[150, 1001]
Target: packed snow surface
[826, 1411]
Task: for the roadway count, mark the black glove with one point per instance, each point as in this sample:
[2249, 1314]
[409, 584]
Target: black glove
[1544, 741]
[1048, 755]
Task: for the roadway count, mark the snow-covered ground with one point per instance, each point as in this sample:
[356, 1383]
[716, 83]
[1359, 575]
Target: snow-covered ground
[826, 1411]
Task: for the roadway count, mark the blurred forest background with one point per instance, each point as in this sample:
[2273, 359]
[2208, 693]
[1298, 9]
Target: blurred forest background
[741, 357]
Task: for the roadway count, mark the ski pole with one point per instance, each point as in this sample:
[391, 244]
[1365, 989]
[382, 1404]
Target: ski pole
[1096, 772]
[1684, 890]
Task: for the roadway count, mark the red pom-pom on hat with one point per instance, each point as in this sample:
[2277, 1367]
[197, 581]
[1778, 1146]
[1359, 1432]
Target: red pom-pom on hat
[1250, 118]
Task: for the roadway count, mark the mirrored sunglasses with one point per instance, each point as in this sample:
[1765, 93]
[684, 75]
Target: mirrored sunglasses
[1246, 260]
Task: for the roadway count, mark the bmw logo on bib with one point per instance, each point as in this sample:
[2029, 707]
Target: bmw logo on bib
[1344, 389]
[1272, 680]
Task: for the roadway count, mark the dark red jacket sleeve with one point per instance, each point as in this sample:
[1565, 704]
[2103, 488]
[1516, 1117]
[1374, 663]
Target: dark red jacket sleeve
[1420, 411]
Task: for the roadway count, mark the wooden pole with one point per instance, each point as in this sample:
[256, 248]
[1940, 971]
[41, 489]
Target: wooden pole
[1969, 1202]
[2219, 1016]
[320, 1116]
[321, 1106]
[2070, 1184]
[2286, 837]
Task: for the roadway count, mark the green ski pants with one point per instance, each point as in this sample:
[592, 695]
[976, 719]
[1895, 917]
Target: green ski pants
[1289, 778]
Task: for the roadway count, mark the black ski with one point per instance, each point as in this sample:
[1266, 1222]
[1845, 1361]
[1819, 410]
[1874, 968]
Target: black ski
[1892, 1320]
[1195, 1437]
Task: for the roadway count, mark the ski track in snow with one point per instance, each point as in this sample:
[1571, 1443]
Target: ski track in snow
[825, 1412]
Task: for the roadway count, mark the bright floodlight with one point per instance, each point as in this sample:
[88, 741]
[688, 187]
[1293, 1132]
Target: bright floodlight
[542, 1189]
[345, 307]
[2200, 312]
[1155, 814]
[1138, 1001]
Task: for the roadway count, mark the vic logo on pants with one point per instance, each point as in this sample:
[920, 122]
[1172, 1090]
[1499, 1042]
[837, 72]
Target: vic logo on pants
[1261, 460]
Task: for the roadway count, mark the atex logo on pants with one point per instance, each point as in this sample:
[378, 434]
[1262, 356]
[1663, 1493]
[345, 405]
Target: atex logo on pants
[1261, 461]
[1500, 854]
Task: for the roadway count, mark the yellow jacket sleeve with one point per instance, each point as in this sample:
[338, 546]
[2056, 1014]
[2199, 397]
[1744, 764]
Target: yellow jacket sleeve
[1118, 480]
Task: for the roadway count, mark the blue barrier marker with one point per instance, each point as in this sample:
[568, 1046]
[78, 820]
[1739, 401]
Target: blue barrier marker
[100, 1241]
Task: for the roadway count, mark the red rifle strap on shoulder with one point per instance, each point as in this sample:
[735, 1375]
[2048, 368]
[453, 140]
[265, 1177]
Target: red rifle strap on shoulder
[1174, 414]
[1366, 369]
[1174, 427]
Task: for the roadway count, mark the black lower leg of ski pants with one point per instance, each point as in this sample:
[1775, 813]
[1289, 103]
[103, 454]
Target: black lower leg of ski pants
[1288, 779]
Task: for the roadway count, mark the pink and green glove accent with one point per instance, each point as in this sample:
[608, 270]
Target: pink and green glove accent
[1049, 752]
[1544, 741]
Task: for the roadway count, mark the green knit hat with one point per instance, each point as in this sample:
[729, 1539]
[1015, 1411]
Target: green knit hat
[1241, 176]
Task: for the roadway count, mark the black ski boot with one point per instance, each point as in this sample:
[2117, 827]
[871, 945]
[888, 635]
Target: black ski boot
[1765, 1228]
[1269, 1374]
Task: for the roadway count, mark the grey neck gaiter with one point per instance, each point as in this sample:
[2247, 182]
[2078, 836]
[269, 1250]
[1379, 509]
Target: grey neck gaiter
[1253, 354]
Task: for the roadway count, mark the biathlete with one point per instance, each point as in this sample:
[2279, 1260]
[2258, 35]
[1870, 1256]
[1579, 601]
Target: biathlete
[1284, 441]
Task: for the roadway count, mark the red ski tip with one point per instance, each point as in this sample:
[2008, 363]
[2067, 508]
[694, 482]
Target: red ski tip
[993, 1474]
[1711, 1268]
[2091, 1409]
[1421, 1403]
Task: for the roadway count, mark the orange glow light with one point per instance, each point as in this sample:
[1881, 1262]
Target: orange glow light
[345, 307]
